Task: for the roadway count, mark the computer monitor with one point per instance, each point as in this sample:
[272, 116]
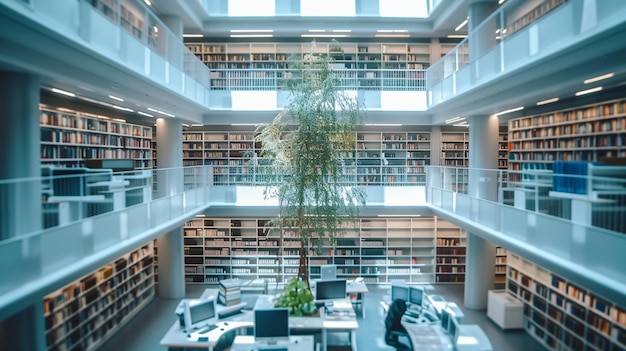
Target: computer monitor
[330, 289]
[399, 292]
[445, 319]
[198, 313]
[328, 272]
[271, 324]
[453, 330]
[416, 295]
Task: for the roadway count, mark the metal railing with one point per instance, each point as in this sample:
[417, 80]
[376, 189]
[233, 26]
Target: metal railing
[596, 200]
[515, 35]
[348, 79]
[70, 195]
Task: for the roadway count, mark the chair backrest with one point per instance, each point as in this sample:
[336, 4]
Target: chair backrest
[393, 320]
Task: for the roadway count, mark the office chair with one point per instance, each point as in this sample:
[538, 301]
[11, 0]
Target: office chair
[395, 334]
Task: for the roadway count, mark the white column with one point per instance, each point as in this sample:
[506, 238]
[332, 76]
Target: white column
[483, 163]
[170, 250]
[20, 154]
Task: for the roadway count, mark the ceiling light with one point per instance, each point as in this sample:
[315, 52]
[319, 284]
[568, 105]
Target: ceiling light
[510, 110]
[455, 119]
[500, 2]
[324, 35]
[116, 98]
[461, 25]
[252, 31]
[145, 114]
[193, 35]
[161, 112]
[588, 91]
[392, 31]
[548, 101]
[317, 30]
[598, 78]
[251, 35]
[63, 92]
[185, 125]
[392, 35]
[148, 2]
[463, 124]
[122, 108]
[341, 31]
[197, 125]
[457, 36]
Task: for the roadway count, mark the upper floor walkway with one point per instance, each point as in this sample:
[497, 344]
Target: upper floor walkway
[521, 54]
[580, 236]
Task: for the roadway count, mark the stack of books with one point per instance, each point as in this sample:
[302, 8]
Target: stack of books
[230, 292]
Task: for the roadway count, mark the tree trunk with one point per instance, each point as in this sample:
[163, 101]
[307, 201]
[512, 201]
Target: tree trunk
[303, 267]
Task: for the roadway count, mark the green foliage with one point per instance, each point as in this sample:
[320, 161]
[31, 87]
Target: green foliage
[298, 298]
[305, 145]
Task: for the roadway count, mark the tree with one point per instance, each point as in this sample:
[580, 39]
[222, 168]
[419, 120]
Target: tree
[306, 146]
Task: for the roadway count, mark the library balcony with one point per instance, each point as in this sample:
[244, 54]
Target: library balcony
[518, 45]
[572, 223]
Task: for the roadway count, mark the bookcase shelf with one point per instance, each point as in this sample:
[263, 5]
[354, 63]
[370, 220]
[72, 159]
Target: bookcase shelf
[85, 313]
[585, 133]
[381, 158]
[69, 138]
[562, 315]
[378, 249]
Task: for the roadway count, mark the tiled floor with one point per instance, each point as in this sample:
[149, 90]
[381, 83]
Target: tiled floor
[146, 329]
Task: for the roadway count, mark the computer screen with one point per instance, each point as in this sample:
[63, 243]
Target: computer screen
[445, 319]
[453, 329]
[416, 295]
[399, 292]
[199, 313]
[330, 289]
[271, 324]
[328, 272]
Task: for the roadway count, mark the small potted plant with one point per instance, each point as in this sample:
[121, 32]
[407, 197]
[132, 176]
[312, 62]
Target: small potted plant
[298, 298]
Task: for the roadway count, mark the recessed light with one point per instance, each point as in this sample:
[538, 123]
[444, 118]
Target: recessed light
[317, 30]
[588, 91]
[63, 92]
[252, 31]
[457, 36]
[392, 35]
[455, 119]
[324, 35]
[193, 35]
[148, 2]
[547, 101]
[122, 108]
[341, 30]
[598, 78]
[461, 25]
[145, 114]
[116, 98]
[251, 35]
[510, 110]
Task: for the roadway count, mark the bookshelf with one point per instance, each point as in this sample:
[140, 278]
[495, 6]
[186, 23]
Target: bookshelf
[377, 249]
[500, 271]
[68, 138]
[272, 59]
[455, 149]
[585, 133]
[503, 150]
[381, 158]
[562, 315]
[451, 249]
[85, 313]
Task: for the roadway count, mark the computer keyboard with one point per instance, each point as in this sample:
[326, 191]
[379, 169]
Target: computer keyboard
[207, 329]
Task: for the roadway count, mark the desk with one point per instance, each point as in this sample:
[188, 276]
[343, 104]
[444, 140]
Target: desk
[176, 336]
[472, 338]
[343, 319]
[357, 290]
[426, 336]
[295, 343]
